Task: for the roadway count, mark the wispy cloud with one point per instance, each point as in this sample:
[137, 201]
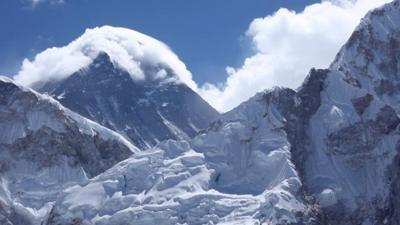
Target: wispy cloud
[35, 3]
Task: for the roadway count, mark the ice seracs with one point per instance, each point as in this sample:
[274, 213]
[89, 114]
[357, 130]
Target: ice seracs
[174, 188]
[248, 146]
[238, 171]
[327, 153]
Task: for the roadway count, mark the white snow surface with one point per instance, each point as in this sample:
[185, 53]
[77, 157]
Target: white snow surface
[28, 187]
[371, 55]
[170, 184]
[357, 177]
[38, 117]
[249, 150]
[353, 172]
[240, 170]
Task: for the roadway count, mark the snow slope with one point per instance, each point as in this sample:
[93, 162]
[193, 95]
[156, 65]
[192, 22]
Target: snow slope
[248, 147]
[123, 80]
[370, 59]
[240, 172]
[324, 154]
[354, 134]
[327, 153]
[145, 112]
[174, 188]
[44, 149]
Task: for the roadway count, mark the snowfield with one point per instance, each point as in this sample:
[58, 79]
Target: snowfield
[326, 153]
[169, 184]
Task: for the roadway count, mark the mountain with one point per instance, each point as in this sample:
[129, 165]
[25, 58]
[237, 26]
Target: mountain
[364, 153]
[370, 58]
[46, 148]
[146, 112]
[124, 80]
[174, 184]
[340, 129]
[327, 153]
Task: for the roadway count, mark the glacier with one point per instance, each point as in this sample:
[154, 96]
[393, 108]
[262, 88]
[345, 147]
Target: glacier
[326, 153]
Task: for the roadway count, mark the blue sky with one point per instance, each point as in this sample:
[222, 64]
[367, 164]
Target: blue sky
[207, 35]
[234, 48]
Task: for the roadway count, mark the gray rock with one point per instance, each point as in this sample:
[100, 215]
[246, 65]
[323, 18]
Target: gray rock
[146, 112]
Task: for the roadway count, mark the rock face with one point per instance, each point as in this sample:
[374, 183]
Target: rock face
[241, 173]
[360, 145]
[146, 112]
[327, 153]
[370, 59]
[44, 149]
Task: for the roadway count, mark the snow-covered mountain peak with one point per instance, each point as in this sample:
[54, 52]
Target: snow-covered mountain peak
[327, 153]
[125, 81]
[146, 111]
[5, 79]
[44, 148]
[128, 50]
[370, 59]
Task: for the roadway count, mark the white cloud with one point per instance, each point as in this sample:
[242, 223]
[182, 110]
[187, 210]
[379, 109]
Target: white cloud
[126, 48]
[35, 3]
[288, 45]
[52, 2]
